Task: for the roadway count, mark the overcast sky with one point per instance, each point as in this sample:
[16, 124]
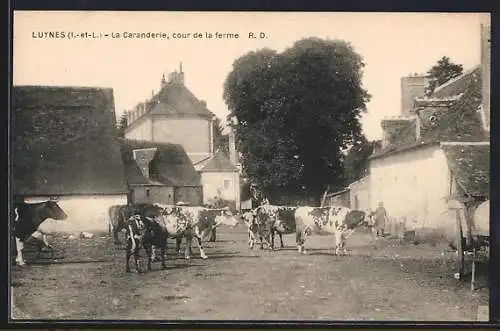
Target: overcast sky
[392, 45]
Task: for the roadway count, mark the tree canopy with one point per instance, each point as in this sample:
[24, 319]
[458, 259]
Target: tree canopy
[122, 124]
[295, 112]
[220, 140]
[356, 165]
[441, 72]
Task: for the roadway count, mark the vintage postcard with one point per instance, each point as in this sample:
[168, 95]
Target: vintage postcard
[243, 166]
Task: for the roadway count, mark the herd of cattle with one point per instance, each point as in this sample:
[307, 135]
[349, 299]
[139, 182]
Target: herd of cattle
[149, 226]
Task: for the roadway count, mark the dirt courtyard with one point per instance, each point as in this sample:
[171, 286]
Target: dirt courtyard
[380, 280]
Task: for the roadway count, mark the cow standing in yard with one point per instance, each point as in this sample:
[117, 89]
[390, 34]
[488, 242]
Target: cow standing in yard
[337, 220]
[27, 218]
[119, 215]
[268, 220]
[193, 222]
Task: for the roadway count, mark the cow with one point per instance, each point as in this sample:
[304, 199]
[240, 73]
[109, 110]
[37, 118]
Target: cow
[338, 220]
[146, 229]
[268, 220]
[119, 215]
[193, 222]
[27, 218]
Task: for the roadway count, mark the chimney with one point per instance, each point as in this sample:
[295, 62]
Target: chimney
[486, 74]
[232, 147]
[175, 77]
[163, 82]
[143, 158]
[412, 86]
[391, 127]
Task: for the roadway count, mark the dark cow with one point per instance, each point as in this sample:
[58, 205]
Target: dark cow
[267, 220]
[144, 231]
[337, 220]
[119, 215]
[28, 217]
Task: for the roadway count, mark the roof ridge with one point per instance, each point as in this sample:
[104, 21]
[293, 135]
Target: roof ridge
[451, 81]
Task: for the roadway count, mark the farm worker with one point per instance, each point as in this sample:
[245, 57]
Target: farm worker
[380, 216]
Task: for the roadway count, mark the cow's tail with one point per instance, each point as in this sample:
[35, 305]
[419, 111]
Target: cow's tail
[16, 212]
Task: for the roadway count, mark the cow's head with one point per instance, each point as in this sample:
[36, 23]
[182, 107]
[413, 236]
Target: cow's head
[54, 211]
[137, 222]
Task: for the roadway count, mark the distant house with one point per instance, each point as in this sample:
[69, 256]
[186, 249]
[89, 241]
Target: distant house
[160, 173]
[360, 194]
[339, 198]
[174, 115]
[440, 150]
[221, 179]
[64, 146]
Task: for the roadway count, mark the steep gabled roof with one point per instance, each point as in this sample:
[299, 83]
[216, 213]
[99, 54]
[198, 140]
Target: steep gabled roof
[63, 141]
[170, 165]
[219, 163]
[177, 99]
[470, 165]
[459, 121]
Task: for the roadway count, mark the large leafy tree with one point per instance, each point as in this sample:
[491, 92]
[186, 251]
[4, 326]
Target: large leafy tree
[220, 139]
[122, 124]
[295, 112]
[441, 72]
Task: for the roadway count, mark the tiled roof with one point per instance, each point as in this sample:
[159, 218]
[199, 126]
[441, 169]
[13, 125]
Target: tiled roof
[219, 163]
[458, 122]
[63, 141]
[456, 85]
[176, 99]
[170, 164]
[470, 165]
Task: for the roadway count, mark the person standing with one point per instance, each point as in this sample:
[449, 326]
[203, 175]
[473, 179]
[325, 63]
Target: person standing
[380, 215]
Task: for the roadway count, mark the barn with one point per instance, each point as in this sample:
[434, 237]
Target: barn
[160, 173]
[423, 159]
[63, 144]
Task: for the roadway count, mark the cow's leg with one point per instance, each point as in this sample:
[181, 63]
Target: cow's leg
[261, 242]
[178, 241]
[115, 235]
[163, 251]
[153, 253]
[300, 240]
[19, 255]
[200, 247]
[281, 239]
[187, 251]
[273, 233]
[149, 252]
[339, 242]
[128, 254]
[250, 239]
[136, 259]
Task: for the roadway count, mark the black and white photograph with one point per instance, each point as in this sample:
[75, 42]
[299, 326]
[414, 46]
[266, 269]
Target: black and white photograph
[249, 166]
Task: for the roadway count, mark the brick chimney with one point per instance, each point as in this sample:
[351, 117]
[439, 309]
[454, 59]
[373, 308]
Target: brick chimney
[485, 74]
[412, 86]
[143, 157]
[175, 77]
[391, 127]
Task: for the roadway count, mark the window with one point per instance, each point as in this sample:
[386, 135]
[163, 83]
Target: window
[227, 182]
[148, 192]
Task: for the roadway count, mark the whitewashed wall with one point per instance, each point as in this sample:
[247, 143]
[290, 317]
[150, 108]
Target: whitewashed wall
[212, 181]
[141, 130]
[360, 191]
[85, 213]
[192, 133]
[414, 185]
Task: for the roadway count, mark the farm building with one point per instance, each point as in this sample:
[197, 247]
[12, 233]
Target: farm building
[160, 173]
[424, 157]
[221, 180]
[355, 196]
[174, 115]
[64, 146]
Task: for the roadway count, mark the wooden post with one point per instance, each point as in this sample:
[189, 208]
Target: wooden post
[324, 196]
[460, 248]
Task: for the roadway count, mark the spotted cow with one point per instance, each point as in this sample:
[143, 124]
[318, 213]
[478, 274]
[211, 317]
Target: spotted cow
[193, 222]
[268, 220]
[337, 220]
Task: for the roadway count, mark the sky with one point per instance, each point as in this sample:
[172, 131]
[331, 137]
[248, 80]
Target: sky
[392, 45]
